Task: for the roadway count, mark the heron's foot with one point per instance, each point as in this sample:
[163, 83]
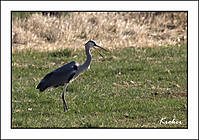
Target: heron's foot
[65, 108]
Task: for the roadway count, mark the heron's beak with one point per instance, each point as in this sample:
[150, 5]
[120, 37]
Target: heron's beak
[98, 50]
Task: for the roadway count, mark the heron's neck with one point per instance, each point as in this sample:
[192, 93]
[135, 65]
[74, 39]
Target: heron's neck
[87, 62]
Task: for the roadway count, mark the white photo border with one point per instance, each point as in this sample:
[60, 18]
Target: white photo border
[190, 6]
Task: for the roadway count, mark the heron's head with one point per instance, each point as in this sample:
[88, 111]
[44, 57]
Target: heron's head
[92, 44]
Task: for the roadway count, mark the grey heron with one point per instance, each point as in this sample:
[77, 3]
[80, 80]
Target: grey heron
[68, 72]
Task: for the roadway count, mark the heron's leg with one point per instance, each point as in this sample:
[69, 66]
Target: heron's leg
[64, 102]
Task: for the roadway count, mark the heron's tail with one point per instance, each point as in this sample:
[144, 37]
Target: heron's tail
[42, 86]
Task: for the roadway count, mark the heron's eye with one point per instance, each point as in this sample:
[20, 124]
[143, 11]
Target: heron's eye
[92, 44]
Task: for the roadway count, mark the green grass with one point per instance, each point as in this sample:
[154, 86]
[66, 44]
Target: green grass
[23, 15]
[129, 88]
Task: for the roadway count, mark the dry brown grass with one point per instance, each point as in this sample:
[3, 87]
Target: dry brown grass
[109, 29]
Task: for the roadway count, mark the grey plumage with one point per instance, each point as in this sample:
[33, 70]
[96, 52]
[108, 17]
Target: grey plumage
[66, 73]
[58, 77]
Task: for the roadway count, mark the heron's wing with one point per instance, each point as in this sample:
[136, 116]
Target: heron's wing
[67, 67]
[59, 76]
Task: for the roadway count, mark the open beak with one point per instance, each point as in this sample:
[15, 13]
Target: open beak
[98, 50]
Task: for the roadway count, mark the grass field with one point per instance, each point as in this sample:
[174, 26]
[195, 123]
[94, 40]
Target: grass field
[113, 29]
[129, 88]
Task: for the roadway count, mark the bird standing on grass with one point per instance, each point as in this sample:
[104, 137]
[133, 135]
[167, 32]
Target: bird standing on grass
[68, 72]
